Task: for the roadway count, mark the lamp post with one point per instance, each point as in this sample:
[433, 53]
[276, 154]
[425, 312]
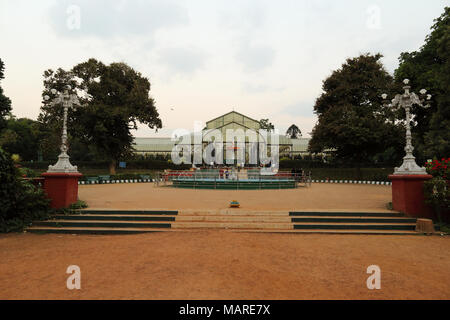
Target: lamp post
[61, 180]
[68, 101]
[408, 179]
[406, 101]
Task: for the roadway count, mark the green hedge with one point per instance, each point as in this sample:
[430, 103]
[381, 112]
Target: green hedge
[297, 164]
[131, 164]
[366, 174]
[120, 176]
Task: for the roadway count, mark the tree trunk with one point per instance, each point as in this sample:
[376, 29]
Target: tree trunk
[112, 167]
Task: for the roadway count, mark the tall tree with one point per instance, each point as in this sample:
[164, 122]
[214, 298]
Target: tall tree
[50, 118]
[293, 132]
[429, 68]
[352, 122]
[115, 98]
[21, 137]
[5, 102]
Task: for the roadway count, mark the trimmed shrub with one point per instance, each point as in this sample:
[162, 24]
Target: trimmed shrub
[363, 174]
[131, 164]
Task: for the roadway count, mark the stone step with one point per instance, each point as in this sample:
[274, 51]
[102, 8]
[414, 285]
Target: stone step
[130, 212]
[279, 225]
[101, 224]
[356, 226]
[232, 212]
[230, 218]
[345, 214]
[233, 218]
[231, 225]
[124, 231]
[103, 221]
[115, 217]
[333, 231]
[346, 219]
[94, 230]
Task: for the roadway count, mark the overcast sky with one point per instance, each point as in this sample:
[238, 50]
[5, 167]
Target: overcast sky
[266, 59]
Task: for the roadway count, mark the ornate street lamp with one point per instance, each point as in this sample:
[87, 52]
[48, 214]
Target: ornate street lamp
[68, 101]
[406, 101]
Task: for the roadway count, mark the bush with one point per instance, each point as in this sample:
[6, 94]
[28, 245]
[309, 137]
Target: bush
[437, 194]
[20, 201]
[436, 190]
[363, 174]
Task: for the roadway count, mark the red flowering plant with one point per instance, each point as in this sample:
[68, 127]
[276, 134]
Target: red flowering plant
[437, 189]
[439, 168]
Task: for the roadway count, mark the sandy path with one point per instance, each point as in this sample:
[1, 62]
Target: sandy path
[224, 265]
[318, 197]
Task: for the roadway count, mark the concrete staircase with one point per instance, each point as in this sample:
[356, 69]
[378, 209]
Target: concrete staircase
[136, 221]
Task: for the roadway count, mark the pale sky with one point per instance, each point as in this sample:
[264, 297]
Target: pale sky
[265, 59]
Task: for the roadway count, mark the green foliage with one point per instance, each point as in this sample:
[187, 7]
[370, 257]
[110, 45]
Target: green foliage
[51, 117]
[330, 170]
[303, 163]
[353, 124]
[80, 204]
[437, 194]
[21, 136]
[26, 172]
[151, 164]
[444, 228]
[436, 190]
[74, 208]
[266, 125]
[20, 201]
[115, 99]
[429, 68]
[5, 102]
[360, 174]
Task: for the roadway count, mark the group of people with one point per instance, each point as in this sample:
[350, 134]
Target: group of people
[227, 173]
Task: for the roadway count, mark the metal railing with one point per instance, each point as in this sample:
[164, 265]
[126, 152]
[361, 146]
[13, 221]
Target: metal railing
[212, 177]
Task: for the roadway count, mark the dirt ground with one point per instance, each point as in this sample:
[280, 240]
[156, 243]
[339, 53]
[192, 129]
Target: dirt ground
[213, 264]
[223, 265]
[318, 197]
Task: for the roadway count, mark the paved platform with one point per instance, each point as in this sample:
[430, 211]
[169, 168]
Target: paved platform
[318, 197]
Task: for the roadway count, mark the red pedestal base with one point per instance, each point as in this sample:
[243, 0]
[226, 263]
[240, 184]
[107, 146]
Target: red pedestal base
[61, 188]
[407, 195]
